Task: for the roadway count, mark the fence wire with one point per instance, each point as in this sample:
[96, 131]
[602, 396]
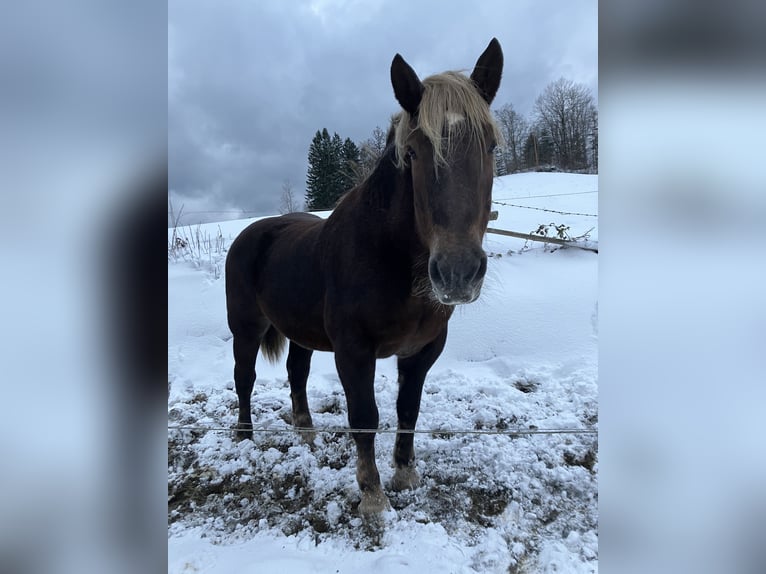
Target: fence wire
[543, 209]
[547, 195]
[343, 430]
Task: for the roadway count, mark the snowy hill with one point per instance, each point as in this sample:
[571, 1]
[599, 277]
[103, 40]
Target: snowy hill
[522, 357]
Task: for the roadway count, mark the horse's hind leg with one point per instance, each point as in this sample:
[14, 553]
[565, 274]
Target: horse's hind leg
[247, 341]
[298, 364]
[412, 375]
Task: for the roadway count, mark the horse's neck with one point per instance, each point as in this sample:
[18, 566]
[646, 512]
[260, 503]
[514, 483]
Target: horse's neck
[390, 201]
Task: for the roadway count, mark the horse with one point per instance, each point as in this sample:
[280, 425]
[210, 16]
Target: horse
[382, 275]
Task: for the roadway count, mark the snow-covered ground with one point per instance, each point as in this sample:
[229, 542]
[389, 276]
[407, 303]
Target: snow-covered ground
[523, 356]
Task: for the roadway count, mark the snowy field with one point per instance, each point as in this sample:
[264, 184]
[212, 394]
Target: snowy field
[524, 356]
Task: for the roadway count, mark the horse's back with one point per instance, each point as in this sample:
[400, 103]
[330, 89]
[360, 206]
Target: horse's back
[273, 272]
[254, 242]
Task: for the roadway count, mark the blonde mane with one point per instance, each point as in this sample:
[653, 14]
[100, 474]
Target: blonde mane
[451, 106]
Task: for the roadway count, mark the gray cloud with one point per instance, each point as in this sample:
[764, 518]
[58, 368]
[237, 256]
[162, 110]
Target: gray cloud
[249, 83]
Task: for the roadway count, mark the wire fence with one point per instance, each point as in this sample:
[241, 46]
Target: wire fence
[547, 195]
[543, 209]
[343, 430]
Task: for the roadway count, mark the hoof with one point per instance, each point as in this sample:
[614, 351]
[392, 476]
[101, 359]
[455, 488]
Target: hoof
[243, 431]
[405, 478]
[374, 503]
[305, 424]
[307, 436]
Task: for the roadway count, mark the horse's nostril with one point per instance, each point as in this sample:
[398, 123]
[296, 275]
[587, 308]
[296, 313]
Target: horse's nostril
[435, 272]
[471, 271]
[482, 267]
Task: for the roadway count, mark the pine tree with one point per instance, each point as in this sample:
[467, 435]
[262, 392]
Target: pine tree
[500, 162]
[335, 190]
[349, 164]
[322, 181]
[332, 165]
[312, 176]
[315, 179]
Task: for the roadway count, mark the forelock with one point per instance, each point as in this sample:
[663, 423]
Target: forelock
[450, 108]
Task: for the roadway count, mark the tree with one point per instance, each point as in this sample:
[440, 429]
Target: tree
[336, 167]
[349, 161]
[316, 179]
[287, 201]
[514, 129]
[370, 151]
[500, 162]
[594, 142]
[324, 181]
[538, 148]
[565, 110]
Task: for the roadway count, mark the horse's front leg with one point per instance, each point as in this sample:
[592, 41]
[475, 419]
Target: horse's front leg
[356, 369]
[412, 375]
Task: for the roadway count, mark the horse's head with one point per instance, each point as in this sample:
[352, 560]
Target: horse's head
[445, 140]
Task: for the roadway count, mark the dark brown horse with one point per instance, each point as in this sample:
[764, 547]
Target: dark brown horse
[382, 274]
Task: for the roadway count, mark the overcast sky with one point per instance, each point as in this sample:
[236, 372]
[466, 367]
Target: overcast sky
[251, 81]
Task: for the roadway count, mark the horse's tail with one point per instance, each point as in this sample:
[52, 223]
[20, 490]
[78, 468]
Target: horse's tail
[273, 344]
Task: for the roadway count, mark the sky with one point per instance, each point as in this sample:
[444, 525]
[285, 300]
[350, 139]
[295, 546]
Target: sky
[251, 81]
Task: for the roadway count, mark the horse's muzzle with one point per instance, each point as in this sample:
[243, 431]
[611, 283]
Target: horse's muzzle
[457, 278]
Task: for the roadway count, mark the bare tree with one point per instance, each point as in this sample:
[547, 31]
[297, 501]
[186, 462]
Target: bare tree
[565, 110]
[370, 151]
[514, 129]
[287, 201]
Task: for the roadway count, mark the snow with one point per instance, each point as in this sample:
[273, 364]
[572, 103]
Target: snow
[523, 356]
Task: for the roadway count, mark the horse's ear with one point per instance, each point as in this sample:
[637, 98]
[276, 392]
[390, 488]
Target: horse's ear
[488, 70]
[407, 86]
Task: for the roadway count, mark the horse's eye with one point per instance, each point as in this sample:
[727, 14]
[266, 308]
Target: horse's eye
[411, 153]
[492, 147]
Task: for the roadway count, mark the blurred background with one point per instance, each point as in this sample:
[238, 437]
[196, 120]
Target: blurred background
[83, 196]
[681, 275]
